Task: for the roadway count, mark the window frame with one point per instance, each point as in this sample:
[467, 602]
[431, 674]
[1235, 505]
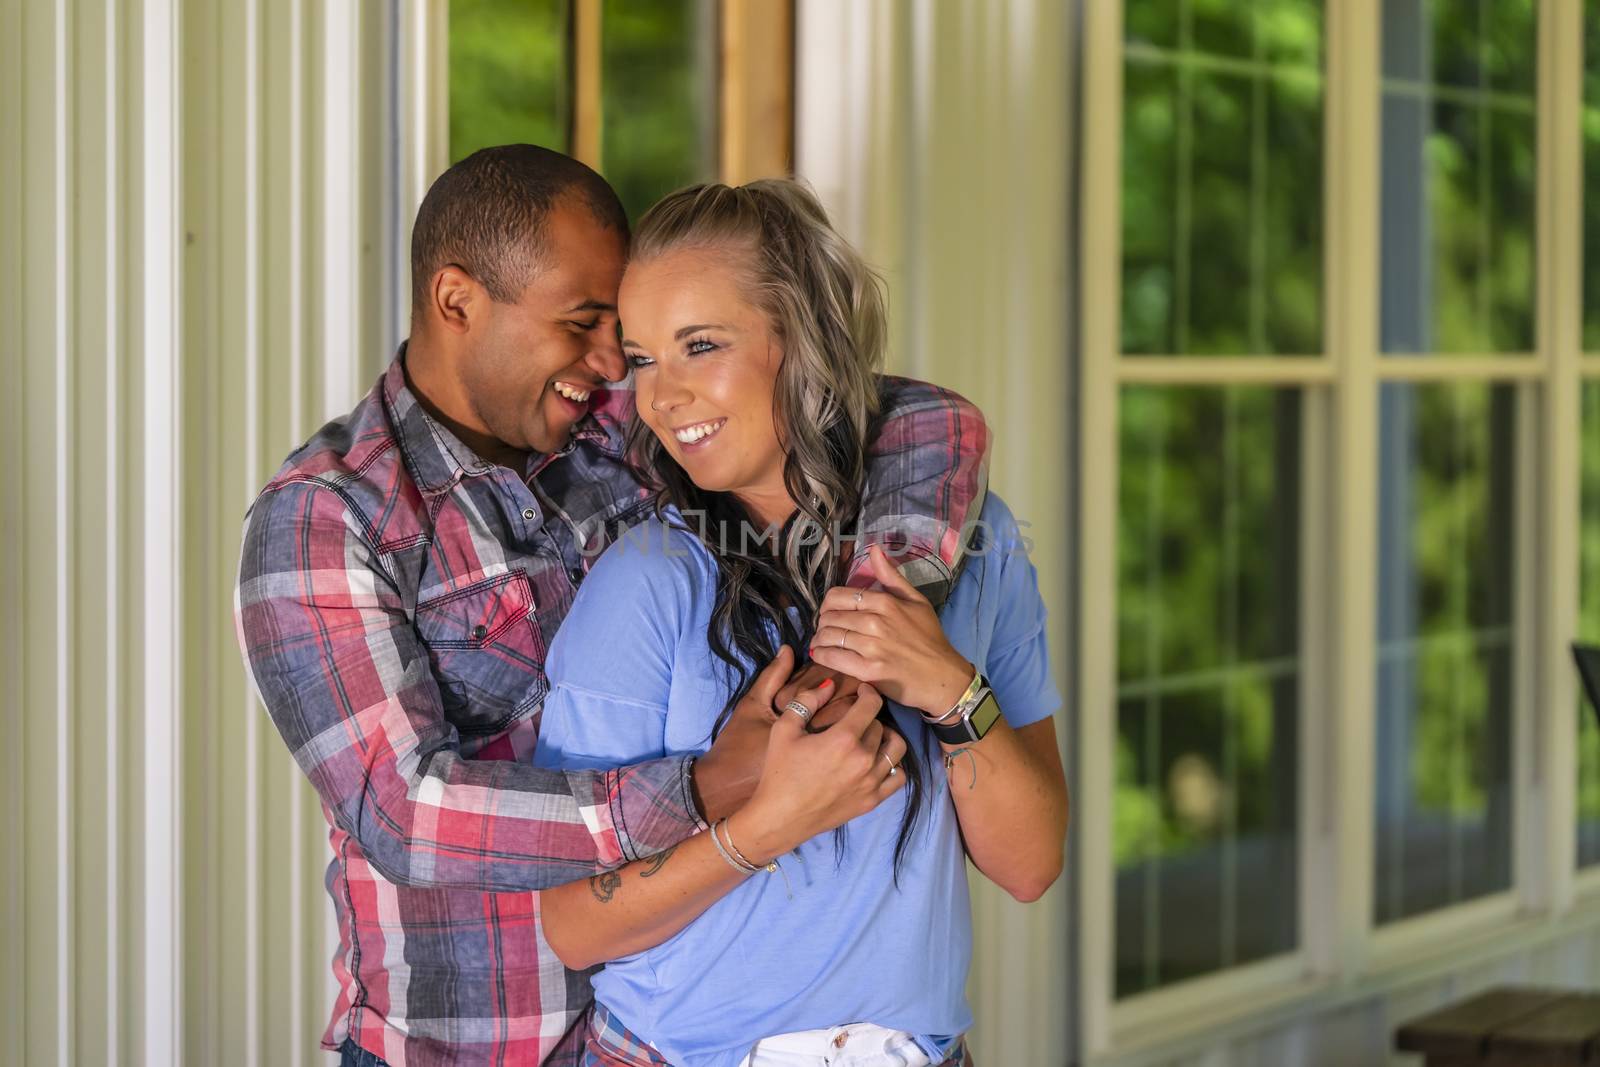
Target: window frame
[1342, 956]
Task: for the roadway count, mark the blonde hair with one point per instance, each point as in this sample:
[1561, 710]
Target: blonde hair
[827, 308]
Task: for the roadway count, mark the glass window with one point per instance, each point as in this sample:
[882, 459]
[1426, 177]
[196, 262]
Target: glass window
[1591, 175]
[512, 73]
[658, 80]
[1222, 178]
[509, 74]
[1205, 831]
[1445, 644]
[1459, 150]
[1589, 630]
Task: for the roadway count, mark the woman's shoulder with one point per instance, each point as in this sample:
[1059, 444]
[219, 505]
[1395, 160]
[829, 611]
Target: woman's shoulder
[650, 559]
[997, 529]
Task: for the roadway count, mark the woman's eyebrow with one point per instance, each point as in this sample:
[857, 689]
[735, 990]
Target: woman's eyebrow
[685, 331]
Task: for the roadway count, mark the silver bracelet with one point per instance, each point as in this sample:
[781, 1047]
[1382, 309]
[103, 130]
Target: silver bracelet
[745, 867]
[962, 704]
[727, 832]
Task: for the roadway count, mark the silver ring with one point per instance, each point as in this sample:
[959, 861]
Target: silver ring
[843, 636]
[894, 768]
[799, 709]
[859, 595]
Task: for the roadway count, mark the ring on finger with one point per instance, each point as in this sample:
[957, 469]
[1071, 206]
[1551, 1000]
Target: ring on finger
[859, 595]
[799, 709]
[894, 768]
[844, 635]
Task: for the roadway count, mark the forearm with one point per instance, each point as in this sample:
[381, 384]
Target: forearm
[637, 907]
[1011, 800]
[500, 826]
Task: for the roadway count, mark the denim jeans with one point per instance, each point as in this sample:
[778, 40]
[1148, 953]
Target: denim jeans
[353, 1055]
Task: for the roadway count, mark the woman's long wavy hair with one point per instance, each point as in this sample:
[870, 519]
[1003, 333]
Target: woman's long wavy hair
[827, 308]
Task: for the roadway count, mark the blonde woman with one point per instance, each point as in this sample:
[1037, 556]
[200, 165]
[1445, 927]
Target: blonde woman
[756, 336]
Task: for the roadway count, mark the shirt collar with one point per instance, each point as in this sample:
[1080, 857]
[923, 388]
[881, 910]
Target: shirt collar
[438, 458]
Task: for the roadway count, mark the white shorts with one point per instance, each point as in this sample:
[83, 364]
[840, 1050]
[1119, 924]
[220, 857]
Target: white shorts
[857, 1045]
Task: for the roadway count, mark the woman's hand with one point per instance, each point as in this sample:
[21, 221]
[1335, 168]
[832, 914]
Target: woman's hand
[891, 639]
[814, 782]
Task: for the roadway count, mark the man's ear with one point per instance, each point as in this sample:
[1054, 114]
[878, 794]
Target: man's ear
[457, 298]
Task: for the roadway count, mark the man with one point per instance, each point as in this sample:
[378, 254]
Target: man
[401, 578]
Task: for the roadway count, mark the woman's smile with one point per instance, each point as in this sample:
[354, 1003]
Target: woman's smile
[697, 434]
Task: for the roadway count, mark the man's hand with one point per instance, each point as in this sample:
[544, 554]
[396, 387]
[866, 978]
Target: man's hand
[725, 777]
[811, 676]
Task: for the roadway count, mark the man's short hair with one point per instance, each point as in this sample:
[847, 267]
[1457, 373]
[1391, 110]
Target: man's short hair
[488, 213]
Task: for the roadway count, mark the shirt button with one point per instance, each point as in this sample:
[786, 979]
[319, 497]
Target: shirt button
[529, 514]
[479, 632]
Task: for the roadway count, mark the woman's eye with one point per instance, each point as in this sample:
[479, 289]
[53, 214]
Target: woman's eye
[636, 361]
[698, 348]
[585, 326]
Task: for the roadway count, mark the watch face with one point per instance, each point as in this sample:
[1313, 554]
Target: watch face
[985, 714]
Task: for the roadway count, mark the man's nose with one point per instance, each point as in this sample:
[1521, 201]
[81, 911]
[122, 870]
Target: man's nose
[605, 356]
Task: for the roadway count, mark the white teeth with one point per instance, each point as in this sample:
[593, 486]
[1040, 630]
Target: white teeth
[572, 393]
[690, 434]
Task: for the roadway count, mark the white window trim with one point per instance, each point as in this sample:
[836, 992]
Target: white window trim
[1342, 956]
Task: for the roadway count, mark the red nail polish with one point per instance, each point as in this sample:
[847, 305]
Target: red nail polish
[827, 683]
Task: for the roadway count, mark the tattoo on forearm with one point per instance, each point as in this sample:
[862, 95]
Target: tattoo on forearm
[654, 863]
[604, 886]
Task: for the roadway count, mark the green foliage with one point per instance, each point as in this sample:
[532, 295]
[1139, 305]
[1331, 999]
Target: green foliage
[659, 82]
[508, 74]
[1589, 625]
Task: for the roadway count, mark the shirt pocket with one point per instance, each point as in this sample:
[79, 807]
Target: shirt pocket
[486, 651]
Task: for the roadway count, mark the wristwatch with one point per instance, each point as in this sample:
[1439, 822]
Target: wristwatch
[972, 718]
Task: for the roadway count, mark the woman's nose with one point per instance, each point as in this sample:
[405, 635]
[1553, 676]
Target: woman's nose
[670, 391]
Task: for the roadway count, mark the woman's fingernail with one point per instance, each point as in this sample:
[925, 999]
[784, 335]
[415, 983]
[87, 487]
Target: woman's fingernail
[827, 683]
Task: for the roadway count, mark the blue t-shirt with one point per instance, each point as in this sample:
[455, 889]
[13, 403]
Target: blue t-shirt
[633, 677]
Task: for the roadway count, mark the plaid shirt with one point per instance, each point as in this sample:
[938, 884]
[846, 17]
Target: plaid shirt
[396, 596]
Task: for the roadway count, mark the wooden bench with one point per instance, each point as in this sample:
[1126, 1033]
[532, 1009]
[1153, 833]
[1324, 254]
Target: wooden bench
[1509, 1028]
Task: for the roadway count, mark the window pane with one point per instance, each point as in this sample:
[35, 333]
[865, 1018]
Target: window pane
[1222, 178]
[658, 75]
[1459, 149]
[1208, 667]
[508, 74]
[1445, 644]
[1589, 630]
[1591, 174]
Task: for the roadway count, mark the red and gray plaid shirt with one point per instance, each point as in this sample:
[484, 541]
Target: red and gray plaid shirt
[396, 596]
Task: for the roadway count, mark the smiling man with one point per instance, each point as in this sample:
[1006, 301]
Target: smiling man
[404, 572]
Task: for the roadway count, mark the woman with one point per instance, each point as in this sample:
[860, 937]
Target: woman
[756, 333]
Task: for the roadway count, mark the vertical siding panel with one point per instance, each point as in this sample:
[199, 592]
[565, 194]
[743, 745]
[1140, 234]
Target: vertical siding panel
[278, 421]
[86, 479]
[111, 498]
[60, 481]
[130, 818]
[161, 295]
[43, 203]
[247, 417]
[13, 979]
[199, 354]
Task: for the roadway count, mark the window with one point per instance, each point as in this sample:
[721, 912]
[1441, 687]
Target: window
[1221, 255]
[655, 96]
[1589, 540]
[1589, 629]
[1208, 661]
[1326, 417]
[1457, 237]
[1445, 644]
